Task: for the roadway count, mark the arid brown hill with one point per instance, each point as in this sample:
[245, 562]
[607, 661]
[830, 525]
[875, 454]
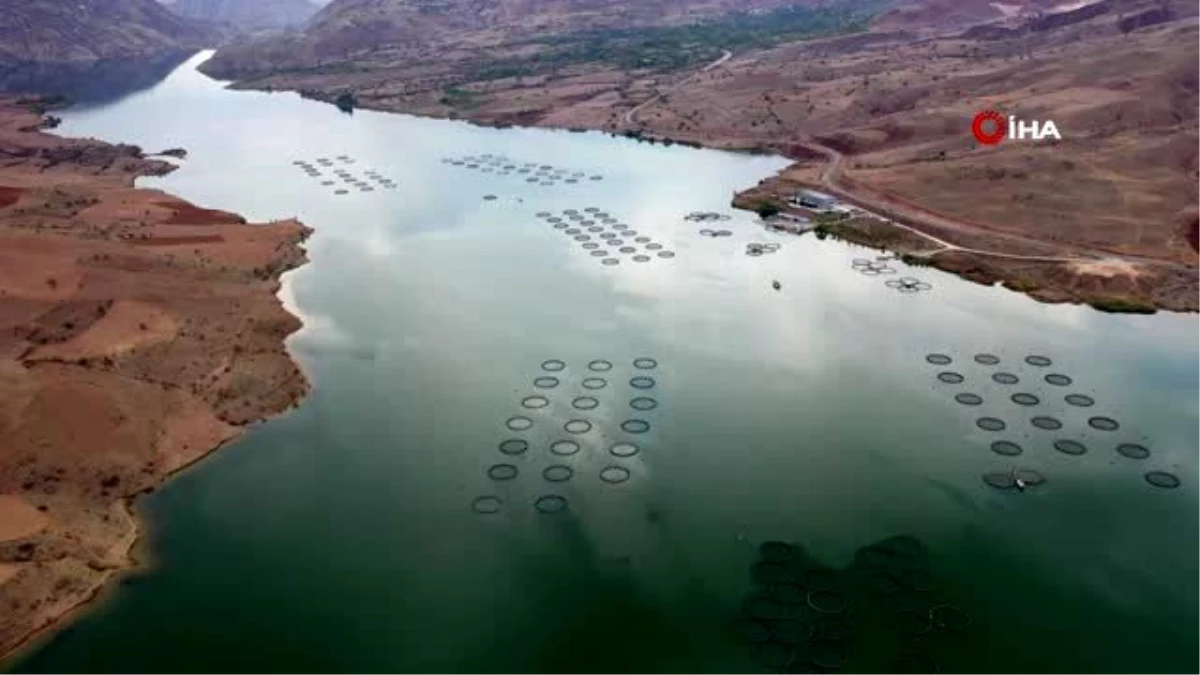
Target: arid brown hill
[349, 29]
[247, 15]
[56, 31]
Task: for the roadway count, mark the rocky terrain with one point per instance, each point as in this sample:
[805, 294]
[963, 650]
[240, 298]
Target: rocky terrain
[138, 332]
[1109, 212]
[247, 15]
[51, 31]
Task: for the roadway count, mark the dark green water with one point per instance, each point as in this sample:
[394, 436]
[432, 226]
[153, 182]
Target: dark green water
[340, 536]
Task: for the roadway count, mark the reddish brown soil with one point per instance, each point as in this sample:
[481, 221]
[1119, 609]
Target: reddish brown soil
[9, 195]
[137, 334]
[183, 213]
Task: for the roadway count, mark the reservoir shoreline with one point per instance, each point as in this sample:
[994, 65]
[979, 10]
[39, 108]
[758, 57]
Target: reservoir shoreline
[141, 334]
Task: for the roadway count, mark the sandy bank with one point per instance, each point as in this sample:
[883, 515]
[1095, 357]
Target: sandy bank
[137, 333]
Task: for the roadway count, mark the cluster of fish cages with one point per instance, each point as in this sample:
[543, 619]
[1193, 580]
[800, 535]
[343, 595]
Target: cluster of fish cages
[604, 237]
[347, 178]
[706, 216]
[534, 173]
[1022, 387]
[886, 612]
[755, 250]
[716, 234]
[569, 421]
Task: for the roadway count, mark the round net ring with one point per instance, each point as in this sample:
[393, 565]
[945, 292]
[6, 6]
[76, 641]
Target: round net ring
[968, 399]
[577, 427]
[641, 258]
[1162, 479]
[1046, 422]
[987, 359]
[600, 366]
[487, 505]
[554, 365]
[564, 447]
[585, 403]
[645, 363]
[1080, 400]
[635, 426]
[550, 504]
[1005, 378]
[861, 262]
[502, 471]
[514, 446]
[950, 377]
[642, 382]
[614, 474]
[518, 423]
[1038, 361]
[643, 403]
[893, 283]
[1133, 451]
[1026, 399]
[557, 473]
[1006, 448]
[938, 359]
[546, 382]
[624, 449]
[1103, 423]
[610, 262]
[594, 383]
[1058, 380]
[1069, 447]
[535, 402]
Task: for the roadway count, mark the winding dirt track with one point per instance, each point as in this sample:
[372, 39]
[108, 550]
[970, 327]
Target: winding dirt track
[632, 112]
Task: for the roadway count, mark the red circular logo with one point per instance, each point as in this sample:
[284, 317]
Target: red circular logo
[999, 127]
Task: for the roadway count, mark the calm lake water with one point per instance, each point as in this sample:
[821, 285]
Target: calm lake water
[341, 536]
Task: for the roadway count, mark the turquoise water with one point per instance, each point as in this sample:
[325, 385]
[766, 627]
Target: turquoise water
[340, 536]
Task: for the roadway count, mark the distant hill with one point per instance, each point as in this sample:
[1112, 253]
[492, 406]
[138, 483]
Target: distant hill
[55, 31]
[248, 15]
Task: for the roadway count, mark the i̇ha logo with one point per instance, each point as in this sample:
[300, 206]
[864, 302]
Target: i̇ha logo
[990, 127]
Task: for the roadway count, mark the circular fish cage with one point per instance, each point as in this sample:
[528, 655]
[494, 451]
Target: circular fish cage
[1046, 422]
[610, 261]
[1102, 423]
[938, 359]
[577, 427]
[643, 403]
[487, 504]
[970, 399]
[554, 365]
[1006, 448]
[1080, 400]
[1162, 479]
[1133, 451]
[564, 448]
[624, 449]
[599, 253]
[585, 403]
[514, 446]
[1025, 399]
[642, 382]
[545, 382]
[600, 366]
[550, 504]
[535, 402]
[594, 383]
[1038, 360]
[502, 471]
[645, 363]
[1058, 380]
[558, 473]
[518, 423]
[635, 426]
[990, 424]
[987, 359]
[614, 474]
[1005, 378]
[1069, 447]
[950, 377]
[1029, 477]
